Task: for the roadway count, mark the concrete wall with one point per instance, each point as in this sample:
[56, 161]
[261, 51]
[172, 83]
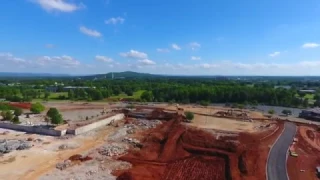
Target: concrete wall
[96, 125]
[33, 129]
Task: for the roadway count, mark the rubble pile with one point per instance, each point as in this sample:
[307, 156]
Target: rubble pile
[113, 149]
[7, 146]
[132, 141]
[63, 165]
[147, 124]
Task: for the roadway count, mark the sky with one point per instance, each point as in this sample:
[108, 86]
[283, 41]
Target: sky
[189, 37]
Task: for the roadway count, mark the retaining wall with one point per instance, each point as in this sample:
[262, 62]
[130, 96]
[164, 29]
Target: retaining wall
[33, 129]
[96, 125]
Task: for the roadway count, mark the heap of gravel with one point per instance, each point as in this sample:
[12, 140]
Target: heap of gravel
[7, 146]
[113, 149]
[147, 124]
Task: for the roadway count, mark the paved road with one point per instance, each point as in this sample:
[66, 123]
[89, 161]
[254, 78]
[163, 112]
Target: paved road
[277, 160]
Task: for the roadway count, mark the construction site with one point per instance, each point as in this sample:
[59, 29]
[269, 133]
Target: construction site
[145, 142]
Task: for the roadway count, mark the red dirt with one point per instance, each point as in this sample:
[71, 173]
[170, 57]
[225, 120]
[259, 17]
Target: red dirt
[78, 157]
[173, 151]
[21, 105]
[192, 168]
[310, 134]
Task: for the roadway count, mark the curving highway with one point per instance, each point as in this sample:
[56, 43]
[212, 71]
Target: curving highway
[277, 160]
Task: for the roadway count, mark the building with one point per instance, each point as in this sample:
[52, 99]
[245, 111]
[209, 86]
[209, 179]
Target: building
[283, 87]
[68, 88]
[308, 91]
[311, 114]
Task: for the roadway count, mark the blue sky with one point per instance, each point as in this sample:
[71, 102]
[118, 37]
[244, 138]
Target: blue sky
[191, 37]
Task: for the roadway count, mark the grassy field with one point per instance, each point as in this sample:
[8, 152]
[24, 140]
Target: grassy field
[136, 95]
[310, 98]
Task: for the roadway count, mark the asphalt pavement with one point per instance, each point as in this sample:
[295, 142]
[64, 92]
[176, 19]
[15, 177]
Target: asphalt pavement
[277, 160]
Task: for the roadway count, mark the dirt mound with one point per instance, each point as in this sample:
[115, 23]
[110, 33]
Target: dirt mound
[173, 151]
[194, 168]
[310, 134]
[78, 157]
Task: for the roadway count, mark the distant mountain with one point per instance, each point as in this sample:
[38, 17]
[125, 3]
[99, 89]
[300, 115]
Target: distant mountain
[123, 75]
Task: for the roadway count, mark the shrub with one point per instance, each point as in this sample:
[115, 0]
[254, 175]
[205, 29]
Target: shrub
[271, 111]
[55, 116]
[16, 120]
[52, 112]
[57, 119]
[189, 115]
[37, 108]
[8, 116]
[286, 112]
[18, 111]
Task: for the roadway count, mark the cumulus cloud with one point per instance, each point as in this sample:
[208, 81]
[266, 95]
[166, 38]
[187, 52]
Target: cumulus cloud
[115, 20]
[310, 45]
[163, 50]
[10, 58]
[274, 54]
[194, 45]
[58, 5]
[195, 58]
[103, 59]
[90, 32]
[134, 54]
[146, 62]
[175, 47]
[57, 61]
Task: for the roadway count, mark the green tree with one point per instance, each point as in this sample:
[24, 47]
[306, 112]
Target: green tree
[189, 115]
[16, 120]
[52, 112]
[18, 111]
[57, 119]
[8, 116]
[147, 96]
[37, 108]
[46, 95]
[271, 111]
[286, 112]
[54, 116]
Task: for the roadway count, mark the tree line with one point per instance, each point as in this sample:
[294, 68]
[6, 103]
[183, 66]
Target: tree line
[164, 90]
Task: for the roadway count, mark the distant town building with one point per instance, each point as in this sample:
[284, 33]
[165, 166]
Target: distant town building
[68, 88]
[310, 91]
[284, 87]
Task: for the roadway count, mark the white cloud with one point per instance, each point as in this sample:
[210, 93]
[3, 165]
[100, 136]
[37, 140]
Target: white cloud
[310, 45]
[274, 54]
[116, 20]
[175, 47]
[103, 58]
[57, 61]
[195, 58]
[10, 58]
[134, 54]
[146, 62]
[163, 50]
[58, 5]
[194, 45]
[90, 32]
